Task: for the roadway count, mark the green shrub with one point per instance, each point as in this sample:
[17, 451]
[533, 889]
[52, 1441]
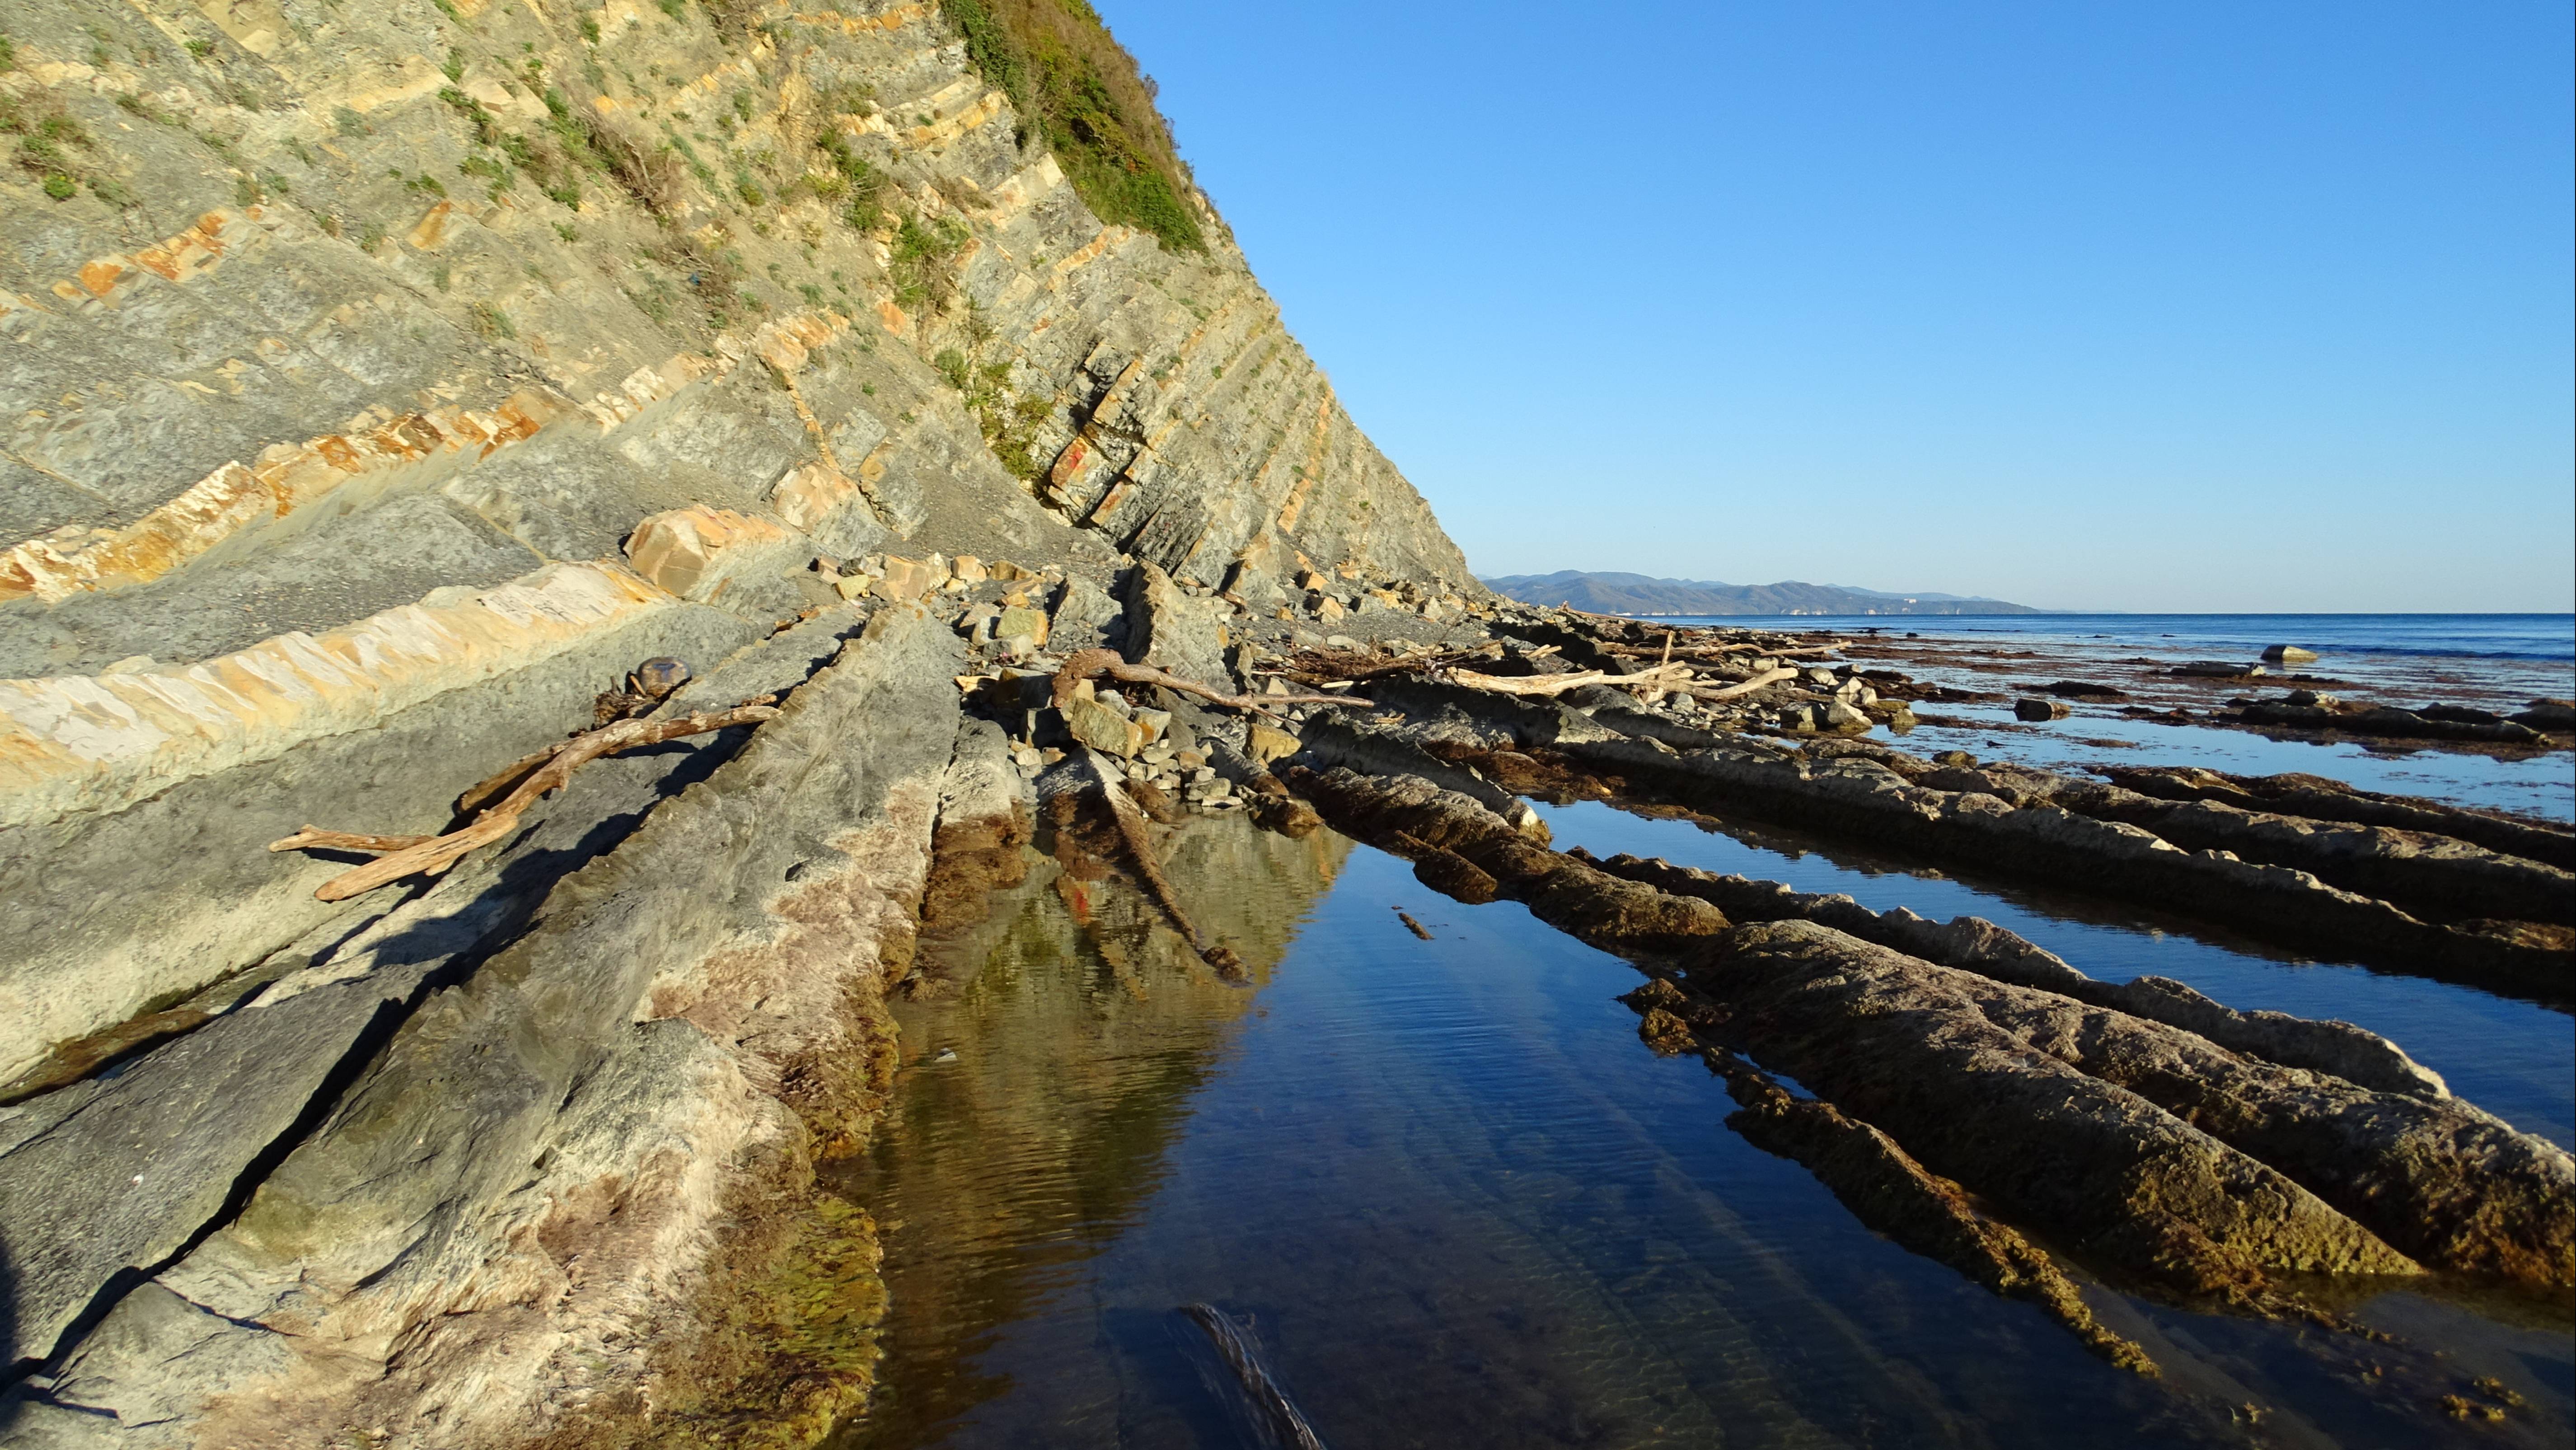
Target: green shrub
[922, 261]
[486, 130]
[39, 155]
[1009, 422]
[61, 187]
[1073, 85]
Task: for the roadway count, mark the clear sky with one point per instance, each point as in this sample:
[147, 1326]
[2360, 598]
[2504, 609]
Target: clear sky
[2192, 306]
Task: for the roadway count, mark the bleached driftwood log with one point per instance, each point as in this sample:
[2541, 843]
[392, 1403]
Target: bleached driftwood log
[1091, 664]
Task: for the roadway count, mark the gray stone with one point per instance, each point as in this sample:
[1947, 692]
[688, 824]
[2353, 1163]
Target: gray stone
[1102, 728]
[1082, 616]
[155, 1358]
[1837, 715]
[1171, 630]
[117, 1173]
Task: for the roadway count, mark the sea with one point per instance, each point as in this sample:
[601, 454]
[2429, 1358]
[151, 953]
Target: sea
[2546, 642]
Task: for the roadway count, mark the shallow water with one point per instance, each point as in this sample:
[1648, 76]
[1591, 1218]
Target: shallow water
[2543, 786]
[1461, 1205]
[2497, 662]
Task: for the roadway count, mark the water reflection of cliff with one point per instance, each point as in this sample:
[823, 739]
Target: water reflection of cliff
[1082, 1025]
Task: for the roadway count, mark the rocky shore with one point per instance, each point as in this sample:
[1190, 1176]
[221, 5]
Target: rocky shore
[537, 569]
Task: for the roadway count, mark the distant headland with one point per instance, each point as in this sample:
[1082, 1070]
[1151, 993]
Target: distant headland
[1638, 594]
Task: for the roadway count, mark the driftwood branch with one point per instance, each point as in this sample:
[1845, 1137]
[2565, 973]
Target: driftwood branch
[1317, 666]
[1090, 664]
[314, 838]
[1746, 687]
[1661, 677]
[526, 780]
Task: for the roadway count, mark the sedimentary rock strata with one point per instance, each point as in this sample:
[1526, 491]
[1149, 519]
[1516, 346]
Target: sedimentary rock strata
[400, 395]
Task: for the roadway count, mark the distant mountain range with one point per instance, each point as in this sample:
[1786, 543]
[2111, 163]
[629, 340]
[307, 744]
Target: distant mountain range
[1638, 594]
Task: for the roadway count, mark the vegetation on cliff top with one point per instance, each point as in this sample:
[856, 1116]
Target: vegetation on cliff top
[1073, 84]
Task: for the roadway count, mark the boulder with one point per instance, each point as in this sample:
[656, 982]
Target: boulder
[1840, 715]
[690, 551]
[2289, 654]
[1021, 620]
[1083, 614]
[1102, 728]
[1170, 629]
[1268, 745]
[912, 578]
[1896, 715]
[807, 496]
[2030, 708]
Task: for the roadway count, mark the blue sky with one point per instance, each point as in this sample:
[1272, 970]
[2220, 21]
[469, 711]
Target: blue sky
[2200, 307]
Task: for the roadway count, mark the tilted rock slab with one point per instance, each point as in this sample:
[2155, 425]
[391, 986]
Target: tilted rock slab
[2081, 1118]
[1901, 1044]
[2318, 798]
[1858, 794]
[2353, 1053]
[135, 808]
[511, 1201]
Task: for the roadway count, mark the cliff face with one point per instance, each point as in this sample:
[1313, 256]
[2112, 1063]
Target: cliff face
[383, 383]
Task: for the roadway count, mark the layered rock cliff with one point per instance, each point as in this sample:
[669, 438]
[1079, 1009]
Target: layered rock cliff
[384, 383]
